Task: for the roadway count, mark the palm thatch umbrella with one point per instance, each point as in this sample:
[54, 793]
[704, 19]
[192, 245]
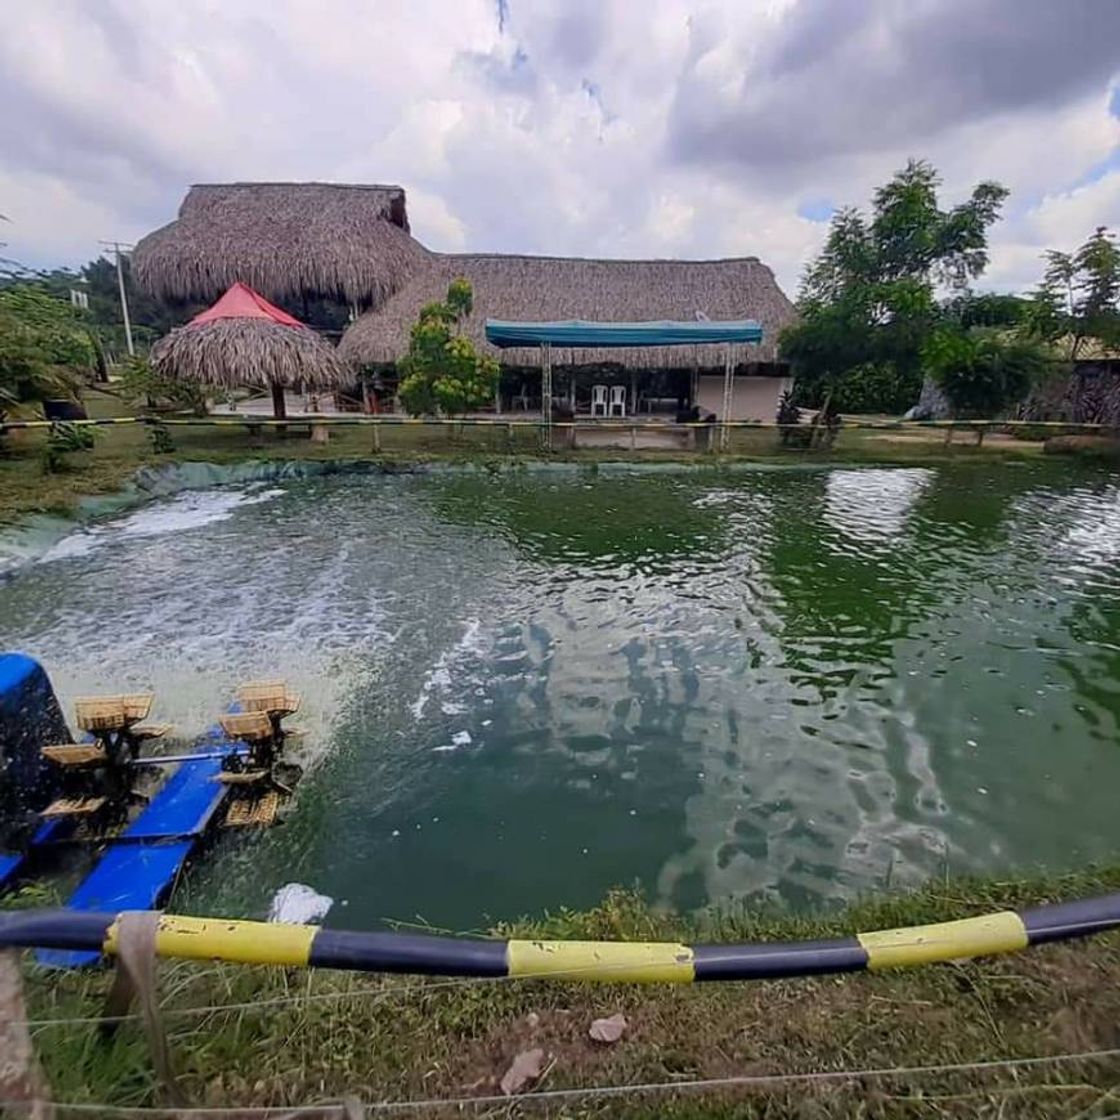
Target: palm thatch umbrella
[245, 340]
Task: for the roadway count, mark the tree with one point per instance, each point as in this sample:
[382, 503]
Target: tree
[869, 299]
[986, 309]
[1079, 297]
[982, 371]
[43, 346]
[442, 371]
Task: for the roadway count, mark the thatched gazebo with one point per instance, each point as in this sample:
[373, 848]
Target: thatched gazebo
[245, 340]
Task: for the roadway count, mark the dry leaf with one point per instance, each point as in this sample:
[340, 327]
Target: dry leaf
[608, 1030]
[526, 1067]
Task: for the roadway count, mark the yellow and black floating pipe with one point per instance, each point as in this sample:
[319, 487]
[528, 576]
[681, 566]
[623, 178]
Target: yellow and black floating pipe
[224, 939]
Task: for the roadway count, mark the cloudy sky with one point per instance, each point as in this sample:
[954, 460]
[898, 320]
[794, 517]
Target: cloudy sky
[589, 127]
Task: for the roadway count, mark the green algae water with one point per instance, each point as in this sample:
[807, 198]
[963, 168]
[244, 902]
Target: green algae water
[525, 688]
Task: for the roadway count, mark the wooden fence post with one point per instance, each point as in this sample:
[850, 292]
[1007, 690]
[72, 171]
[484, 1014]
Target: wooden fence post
[21, 1079]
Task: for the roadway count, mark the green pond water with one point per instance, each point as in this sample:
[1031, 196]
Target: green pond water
[520, 690]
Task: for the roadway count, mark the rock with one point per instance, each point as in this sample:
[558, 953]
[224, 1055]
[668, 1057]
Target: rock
[608, 1030]
[526, 1068]
[932, 404]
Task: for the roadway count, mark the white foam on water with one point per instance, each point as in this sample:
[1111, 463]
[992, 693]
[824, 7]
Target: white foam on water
[299, 904]
[80, 543]
[190, 510]
[459, 739]
[439, 676]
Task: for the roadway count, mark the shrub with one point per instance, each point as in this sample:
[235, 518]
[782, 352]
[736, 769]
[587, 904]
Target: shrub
[64, 439]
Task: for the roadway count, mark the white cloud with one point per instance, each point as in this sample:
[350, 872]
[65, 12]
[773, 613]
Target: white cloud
[556, 136]
[443, 230]
[49, 221]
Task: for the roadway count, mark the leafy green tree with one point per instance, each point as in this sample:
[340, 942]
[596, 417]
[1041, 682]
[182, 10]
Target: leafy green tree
[442, 371]
[869, 299]
[1079, 297]
[44, 346]
[986, 309]
[150, 318]
[984, 372]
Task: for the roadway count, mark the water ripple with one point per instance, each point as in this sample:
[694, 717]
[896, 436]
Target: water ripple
[523, 690]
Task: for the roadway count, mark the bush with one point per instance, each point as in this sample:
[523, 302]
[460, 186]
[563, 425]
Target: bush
[145, 389]
[867, 388]
[64, 439]
[160, 438]
[788, 417]
[984, 372]
[442, 370]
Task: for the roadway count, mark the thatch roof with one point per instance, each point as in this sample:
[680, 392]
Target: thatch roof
[285, 239]
[548, 288]
[244, 340]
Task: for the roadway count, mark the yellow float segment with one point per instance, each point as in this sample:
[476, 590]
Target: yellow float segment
[637, 961]
[223, 939]
[945, 941]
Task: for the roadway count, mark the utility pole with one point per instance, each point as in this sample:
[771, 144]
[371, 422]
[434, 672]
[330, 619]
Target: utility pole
[118, 249]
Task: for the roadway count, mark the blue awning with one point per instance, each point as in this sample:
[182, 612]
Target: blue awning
[581, 332]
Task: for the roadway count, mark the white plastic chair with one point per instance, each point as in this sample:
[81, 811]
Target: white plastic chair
[598, 400]
[618, 401]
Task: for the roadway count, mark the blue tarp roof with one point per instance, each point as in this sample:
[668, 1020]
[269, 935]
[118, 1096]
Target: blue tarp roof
[581, 332]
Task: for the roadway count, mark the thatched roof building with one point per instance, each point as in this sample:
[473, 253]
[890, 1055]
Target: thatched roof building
[244, 340]
[352, 243]
[287, 240]
[550, 288]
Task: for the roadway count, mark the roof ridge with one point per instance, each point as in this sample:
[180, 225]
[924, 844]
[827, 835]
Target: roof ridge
[304, 183]
[596, 260]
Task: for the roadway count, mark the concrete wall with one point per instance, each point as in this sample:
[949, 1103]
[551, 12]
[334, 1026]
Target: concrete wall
[752, 398]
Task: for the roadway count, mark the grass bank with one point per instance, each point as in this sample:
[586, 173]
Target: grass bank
[26, 487]
[294, 1037]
